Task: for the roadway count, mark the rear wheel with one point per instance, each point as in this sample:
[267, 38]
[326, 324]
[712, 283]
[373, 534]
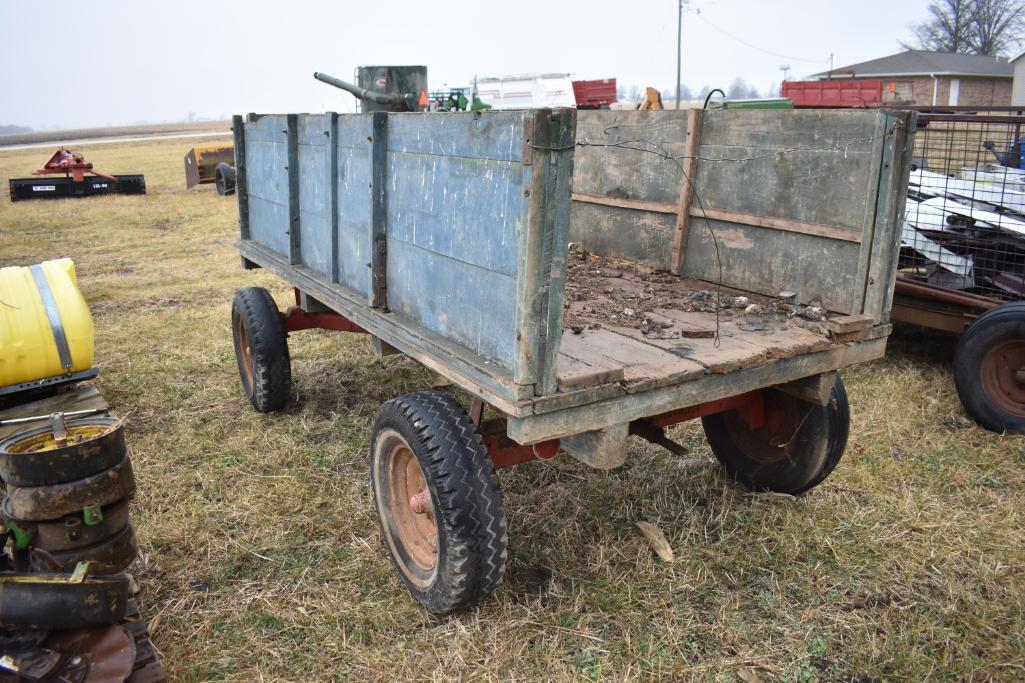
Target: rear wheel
[224, 178]
[989, 369]
[438, 501]
[261, 348]
[795, 449]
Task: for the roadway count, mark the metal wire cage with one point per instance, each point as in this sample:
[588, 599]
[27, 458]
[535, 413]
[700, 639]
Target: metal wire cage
[965, 215]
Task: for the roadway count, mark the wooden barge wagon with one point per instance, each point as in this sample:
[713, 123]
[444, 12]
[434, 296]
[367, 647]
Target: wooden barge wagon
[587, 276]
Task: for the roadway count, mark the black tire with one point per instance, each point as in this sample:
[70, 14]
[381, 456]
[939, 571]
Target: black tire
[224, 178]
[815, 440]
[989, 369]
[454, 556]
[261, 349]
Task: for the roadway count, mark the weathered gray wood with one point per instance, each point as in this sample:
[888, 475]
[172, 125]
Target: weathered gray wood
[688, 166]
[332, 189]
[557, 211]
[294, 212]
[566, 421]
[602, 449]
[489, 381]
[817, 389]
[885, 245]
[761, 175]
[378, 212]
[238, 132]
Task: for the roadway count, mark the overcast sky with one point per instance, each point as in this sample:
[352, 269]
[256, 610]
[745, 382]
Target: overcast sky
[97, 62]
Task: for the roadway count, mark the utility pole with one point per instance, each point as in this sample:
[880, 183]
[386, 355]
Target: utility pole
[679, 45]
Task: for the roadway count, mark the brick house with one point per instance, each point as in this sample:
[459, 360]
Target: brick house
[934, 78]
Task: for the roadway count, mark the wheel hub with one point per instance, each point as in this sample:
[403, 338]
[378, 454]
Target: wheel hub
[247, 353]
[770, 441]
[1002, 375]
[411, 509]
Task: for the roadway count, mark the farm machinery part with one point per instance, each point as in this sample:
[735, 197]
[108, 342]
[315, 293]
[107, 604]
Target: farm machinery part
[75, 182]
[386, 88]
[211, 164]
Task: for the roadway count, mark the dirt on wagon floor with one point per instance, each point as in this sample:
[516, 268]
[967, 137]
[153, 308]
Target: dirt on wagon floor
[602, 291]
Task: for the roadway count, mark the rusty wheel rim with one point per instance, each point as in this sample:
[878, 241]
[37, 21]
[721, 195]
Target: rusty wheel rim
[416, 532]
[775, 439]
[246, 353]
[1002, 376]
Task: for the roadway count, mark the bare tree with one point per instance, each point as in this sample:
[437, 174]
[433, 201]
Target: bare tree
[947, 29]
[984, 27]
[997, 25]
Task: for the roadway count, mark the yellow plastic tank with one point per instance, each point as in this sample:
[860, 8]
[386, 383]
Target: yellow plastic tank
[45, 326]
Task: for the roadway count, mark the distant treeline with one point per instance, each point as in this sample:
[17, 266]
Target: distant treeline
[14, 130]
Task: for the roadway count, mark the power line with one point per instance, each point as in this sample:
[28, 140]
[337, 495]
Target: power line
[760, 49]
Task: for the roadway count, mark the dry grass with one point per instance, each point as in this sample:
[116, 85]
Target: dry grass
[262, 560]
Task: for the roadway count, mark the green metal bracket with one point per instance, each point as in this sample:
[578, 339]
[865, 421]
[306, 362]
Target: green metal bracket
[92, 515]
[22, 537]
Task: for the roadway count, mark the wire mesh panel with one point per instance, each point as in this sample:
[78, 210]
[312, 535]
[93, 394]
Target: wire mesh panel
[965, 215]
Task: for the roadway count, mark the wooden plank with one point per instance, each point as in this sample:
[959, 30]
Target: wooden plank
[556, 245]
[784, 224]
[889, 220]
[636, 204]
[80, 398]
[848, 323]
[689, 167]
[617, 409]
[437, 353]
[575, 374]
[378, 212]
[294, 213]
[644, 365]
[238, 130]
[332, 180]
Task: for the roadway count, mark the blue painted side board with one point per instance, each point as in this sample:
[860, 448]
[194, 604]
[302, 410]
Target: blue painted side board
[461, 225]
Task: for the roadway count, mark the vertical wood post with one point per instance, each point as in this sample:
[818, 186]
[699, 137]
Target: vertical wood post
[558, 201]
[378, 212]
[331, 150]
[689, 166]
[238, 130]
[294, 235]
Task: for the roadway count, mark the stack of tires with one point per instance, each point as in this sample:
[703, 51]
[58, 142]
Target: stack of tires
[69, 498]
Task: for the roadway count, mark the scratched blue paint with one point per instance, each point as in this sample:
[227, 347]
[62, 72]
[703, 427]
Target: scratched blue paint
[487, 135]
[354, 195]
[315, 194]
[473, 306]
[456, 216]
[467, 209]
[267, 182]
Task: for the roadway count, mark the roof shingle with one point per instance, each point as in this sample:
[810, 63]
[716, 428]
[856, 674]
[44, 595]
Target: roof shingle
[924, 63]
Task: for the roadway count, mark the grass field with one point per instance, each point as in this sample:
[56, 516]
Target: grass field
[261, 558]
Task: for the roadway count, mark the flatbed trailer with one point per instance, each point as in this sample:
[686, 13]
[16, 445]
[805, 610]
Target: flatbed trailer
[588, 276]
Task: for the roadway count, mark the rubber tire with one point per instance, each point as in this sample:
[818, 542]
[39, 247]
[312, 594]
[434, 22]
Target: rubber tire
[271, 383]
[471, 525]
[820, 444]
[224, 179]
[1005, 322]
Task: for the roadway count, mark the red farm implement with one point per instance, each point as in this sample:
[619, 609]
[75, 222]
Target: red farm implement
[75, 182]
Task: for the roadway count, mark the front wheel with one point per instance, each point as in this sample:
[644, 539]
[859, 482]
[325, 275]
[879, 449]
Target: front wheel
[261, 348]
[795, 449]
[989, 369]
[438, 501]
